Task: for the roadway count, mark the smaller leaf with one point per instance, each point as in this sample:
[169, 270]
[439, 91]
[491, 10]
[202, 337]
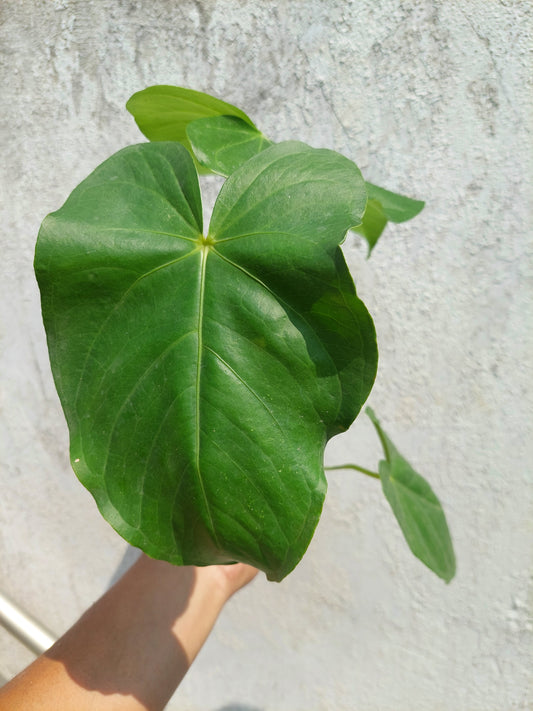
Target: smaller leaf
[373, 224]
[416, 508]
[224, 143]
[163, 112]
[396, 208]
[384, 206]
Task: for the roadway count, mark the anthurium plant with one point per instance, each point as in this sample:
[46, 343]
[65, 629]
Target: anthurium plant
[202, 373]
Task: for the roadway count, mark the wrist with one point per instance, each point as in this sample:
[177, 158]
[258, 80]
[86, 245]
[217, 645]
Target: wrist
[215, 582]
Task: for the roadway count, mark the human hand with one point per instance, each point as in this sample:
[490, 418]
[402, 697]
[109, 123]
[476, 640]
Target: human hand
[156, 611]
[230, 578]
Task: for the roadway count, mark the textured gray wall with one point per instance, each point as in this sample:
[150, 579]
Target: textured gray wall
[432, 98]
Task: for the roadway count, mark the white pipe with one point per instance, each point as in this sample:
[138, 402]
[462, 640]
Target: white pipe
[24, 627]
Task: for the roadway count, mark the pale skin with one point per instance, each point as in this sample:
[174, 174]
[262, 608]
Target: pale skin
[132, 648]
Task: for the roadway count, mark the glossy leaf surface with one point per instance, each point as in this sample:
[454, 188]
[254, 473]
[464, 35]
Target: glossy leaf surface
[201, 377]
[224, 143]
[416, 508]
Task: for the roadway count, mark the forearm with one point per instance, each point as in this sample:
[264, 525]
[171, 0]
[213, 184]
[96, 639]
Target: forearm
[131, 649]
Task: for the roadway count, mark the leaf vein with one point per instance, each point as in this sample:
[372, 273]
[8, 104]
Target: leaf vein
[112, 312]
[247, 386]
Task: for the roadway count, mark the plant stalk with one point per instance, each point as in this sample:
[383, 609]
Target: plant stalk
[357, 468]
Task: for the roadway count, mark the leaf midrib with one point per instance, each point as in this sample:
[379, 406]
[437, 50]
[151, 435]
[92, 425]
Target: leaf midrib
[203, 267]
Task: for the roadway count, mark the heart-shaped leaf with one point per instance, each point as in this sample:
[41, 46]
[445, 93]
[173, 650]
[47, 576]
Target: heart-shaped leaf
[416, 508]
[223, 143]
[201, 376]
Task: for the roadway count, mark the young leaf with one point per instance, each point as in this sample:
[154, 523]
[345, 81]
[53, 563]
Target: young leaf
[381, 207]
[416, 508]
[223, 143]
[201, 376]
[396, 208]
[163, 112]
[373, 224]
[221, 137]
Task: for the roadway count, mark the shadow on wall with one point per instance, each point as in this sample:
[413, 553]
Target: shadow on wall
[238, 707]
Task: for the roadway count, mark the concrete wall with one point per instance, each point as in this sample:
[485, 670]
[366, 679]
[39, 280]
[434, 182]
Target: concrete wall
[430, 98]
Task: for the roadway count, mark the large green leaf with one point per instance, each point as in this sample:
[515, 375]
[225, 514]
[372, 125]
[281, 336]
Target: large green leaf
[163, 112]
[224, 143]
[384, 206]
[201, 376]
[416, 508]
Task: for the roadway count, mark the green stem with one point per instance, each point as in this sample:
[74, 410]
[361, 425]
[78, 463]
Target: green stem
[374, 475]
